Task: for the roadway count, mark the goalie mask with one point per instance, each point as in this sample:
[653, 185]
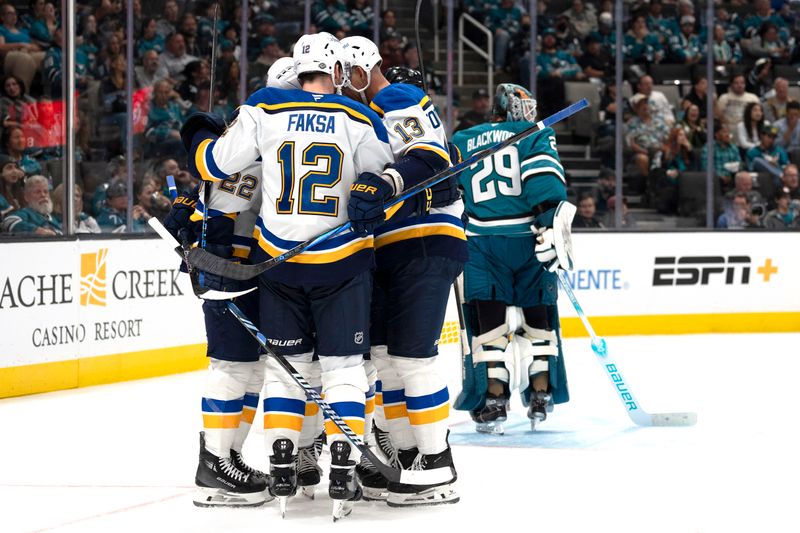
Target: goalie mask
[514, 103]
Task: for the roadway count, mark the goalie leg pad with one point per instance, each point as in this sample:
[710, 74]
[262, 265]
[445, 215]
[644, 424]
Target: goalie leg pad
[223, 402]
[344, 386]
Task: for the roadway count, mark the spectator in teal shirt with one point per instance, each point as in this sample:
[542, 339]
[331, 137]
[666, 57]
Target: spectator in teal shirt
[767, 156]
[150, 39]
[504, 21]
[685, 46]
[43, 27]
[640, 45]
[36, 217]
[164, 119]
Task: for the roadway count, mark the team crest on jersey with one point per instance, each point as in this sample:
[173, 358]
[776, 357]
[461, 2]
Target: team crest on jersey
[317, 97]
[358, 338]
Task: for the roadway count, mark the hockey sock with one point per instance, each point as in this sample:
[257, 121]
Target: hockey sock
[391, 401]
[369, 407]
[427, 402]
[223, 402]
[344, 384]
[250, 405]
[312, 420]
[284, 405]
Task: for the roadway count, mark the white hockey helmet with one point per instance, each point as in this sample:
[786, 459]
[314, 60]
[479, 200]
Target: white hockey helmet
[319, 52]
[281, 74]
[361, 52]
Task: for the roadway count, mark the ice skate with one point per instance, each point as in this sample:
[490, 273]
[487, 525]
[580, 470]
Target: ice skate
[403, 495]
[343, 489]
[238, 460]
[282, 480]
[308, 471]
[489, 418]
[373, 483]
[221, 484]
[539, 407]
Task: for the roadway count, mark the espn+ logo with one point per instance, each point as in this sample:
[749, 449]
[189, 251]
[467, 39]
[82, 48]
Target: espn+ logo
[701, 270]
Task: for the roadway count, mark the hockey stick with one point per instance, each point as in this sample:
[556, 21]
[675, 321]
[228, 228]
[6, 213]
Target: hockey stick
[203, 293]
[207, 186]
[396, 475]
[209, 262]
[639, 416]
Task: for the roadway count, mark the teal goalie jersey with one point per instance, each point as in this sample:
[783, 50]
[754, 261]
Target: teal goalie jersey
[502, 191]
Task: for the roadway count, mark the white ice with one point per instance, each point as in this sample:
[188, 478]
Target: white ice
[121, 457]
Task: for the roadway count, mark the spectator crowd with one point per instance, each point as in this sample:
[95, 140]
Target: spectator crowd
[756, 122]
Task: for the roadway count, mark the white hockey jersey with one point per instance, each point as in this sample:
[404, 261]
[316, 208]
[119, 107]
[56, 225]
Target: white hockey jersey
[312, 147]
[413, 124]
[237, 197]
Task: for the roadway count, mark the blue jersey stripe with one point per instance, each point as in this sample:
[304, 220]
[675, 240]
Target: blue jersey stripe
[211, 405]
[394, 396]
[348, 409]
[417, 403]
[284, 405]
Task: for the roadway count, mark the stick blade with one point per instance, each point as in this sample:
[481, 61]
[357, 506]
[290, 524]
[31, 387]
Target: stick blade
[674, 419]
[208, 262]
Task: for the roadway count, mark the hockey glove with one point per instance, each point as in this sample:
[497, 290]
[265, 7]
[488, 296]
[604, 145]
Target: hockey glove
[553, 232]
[197, 122]
[178, 221]
[443, 193]
[368, 194]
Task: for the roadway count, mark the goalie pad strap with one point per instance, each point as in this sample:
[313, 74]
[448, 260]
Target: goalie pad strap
[498, 373]
[495, 338]
[488, 356]
[538, 366]
[535, 334]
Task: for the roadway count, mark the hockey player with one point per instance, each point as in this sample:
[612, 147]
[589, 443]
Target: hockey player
[312, 144]
[513, 201]
[418, 258]
[236, 373]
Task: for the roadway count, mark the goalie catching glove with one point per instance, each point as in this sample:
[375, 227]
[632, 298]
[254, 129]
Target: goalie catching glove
[553, 231]
[368, 194]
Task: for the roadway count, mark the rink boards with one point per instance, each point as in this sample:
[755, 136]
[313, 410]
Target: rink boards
[80, 313]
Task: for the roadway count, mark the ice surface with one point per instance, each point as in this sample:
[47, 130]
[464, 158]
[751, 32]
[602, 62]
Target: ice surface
[121, 457]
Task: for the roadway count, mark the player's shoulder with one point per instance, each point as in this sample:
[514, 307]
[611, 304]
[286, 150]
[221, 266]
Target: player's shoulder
[357, 112]
[397, 97]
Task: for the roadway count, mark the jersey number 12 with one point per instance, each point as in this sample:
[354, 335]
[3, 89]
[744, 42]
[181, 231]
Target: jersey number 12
[327, 155]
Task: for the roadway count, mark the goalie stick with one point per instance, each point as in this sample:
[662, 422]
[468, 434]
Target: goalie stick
[639, 416]
[396, 475]
[208, 262]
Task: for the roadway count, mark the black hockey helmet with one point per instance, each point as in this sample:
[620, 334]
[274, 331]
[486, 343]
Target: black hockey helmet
[404, 75]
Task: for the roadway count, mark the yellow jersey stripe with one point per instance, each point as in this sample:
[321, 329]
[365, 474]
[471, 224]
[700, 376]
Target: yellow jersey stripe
[200, 161]
[248, 415]
[230, 421]
[431, 416]
[356, 424]
[393, 412]
[415, 232]
[376, 108]
[316, 258]
[311, 409]
[275, 421]
[320, 105]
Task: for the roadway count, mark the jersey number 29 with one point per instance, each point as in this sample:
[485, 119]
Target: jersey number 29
[327, 155]
[500, 174]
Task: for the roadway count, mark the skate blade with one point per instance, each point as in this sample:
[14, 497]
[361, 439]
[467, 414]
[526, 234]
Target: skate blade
[537, 420]
[490, 428]
[210, 497]
[282, 501]
[442, 495]
[374, 494]
[341, 508]
[308, 491]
